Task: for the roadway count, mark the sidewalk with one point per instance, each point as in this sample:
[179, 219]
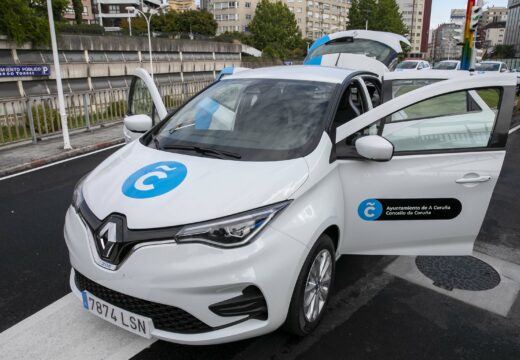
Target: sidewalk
[21, 157]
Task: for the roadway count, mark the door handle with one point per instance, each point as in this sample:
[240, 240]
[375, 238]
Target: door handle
[473, 180]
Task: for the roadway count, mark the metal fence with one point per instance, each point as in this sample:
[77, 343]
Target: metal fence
[33, 118]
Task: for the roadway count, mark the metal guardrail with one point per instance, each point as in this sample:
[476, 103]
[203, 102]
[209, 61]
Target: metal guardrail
[34, 118]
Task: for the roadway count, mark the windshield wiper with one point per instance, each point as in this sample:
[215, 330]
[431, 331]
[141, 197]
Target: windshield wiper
[201, 150]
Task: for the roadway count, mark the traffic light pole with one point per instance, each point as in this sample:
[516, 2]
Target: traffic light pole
[473, 14]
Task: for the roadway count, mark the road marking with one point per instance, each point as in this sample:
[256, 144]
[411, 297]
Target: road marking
[497, 300]
[64, 330]
[60, 162]
[514, 129]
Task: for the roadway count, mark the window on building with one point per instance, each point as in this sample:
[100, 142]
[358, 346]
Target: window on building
[248, 5]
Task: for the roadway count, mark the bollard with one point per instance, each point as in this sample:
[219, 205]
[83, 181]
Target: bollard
[87, 115]
[31, 122]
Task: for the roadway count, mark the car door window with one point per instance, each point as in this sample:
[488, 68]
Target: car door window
[352, 104]
[374, 90]
[401, 87]
[461, 120]
[141, 101]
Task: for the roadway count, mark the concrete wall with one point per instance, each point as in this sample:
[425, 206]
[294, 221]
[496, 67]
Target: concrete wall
[182, 56]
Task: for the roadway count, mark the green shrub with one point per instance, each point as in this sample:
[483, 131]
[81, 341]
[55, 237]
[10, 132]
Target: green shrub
[46, 119]
[87, 29]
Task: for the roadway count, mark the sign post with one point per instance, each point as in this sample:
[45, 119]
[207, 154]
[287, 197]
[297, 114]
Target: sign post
[61, 99]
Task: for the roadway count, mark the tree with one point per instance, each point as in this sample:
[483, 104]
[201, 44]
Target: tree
[382, 15]
[389, 18]
[26, 20]
[361, 11]
[192, 21]
[503, 52]
[274, 27]
[77, 5]
[198, 22]
[58, 8]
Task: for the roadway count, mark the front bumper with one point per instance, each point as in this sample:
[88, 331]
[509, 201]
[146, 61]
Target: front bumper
[192, 277]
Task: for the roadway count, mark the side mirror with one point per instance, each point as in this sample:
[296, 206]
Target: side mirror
[135, 125]
[375, 147]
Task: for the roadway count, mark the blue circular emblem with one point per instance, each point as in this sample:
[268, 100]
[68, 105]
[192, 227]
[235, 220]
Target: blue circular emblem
[154, 180]
[370, 209]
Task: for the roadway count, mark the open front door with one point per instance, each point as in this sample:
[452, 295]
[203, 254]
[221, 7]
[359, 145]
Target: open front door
[145, 106]
[431, 198]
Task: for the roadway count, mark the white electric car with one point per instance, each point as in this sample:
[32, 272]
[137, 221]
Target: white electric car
[223, 220]
[412, 65]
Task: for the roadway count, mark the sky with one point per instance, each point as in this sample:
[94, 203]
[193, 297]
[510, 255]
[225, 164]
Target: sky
[441, 9]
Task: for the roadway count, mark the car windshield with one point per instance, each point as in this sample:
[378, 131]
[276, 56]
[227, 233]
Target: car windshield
[407, 65]
[487, 67]
[446, 65]
[249, 119]
[366, 47]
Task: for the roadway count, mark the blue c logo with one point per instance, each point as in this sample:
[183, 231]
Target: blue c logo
[154, 180]
[370, 209]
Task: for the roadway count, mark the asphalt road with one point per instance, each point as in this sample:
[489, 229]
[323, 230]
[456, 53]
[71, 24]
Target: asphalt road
[372, 314]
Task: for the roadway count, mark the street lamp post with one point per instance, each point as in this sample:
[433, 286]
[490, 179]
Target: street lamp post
[148, 20]
[57, 69]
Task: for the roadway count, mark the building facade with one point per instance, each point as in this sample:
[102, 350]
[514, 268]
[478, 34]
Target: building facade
[416, 16]
[445, 42]
[87, 16]
[512, 35]
[314, 18]
[182, 5]
[110, 13]
[458, 16]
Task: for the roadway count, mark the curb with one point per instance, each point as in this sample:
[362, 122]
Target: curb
[61, 156]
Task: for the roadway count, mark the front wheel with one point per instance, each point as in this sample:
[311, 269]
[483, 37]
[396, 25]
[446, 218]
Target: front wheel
[313, 287]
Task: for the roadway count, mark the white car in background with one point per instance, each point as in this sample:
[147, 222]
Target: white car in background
[447, 65]
[223, 220]
[411, 65]
[491, 66]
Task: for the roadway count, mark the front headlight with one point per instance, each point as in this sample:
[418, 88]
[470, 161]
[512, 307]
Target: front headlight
[77, 195]
[231, 231]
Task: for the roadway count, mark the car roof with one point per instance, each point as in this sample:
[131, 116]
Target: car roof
[297, 72]
[491, 62]
[455, 61]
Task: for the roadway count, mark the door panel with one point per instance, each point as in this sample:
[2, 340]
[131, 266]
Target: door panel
[417, 177]
[430, 199]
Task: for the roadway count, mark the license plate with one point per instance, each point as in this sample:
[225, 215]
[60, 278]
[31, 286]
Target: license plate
[137, 324]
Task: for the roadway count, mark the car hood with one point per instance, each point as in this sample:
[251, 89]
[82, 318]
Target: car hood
[211, 188]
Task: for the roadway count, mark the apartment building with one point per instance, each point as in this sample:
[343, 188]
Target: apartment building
[512, 35]
[182, 5]
[87, 16]
[416, 16]
[314, 18]
[458, 16]
[445, 42]
[110, 13]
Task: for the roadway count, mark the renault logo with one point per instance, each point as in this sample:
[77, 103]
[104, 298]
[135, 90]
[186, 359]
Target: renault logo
[107, 238]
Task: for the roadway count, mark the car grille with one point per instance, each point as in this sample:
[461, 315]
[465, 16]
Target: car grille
[167, 318]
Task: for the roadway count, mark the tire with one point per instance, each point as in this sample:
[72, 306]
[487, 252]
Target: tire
[300, 320]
